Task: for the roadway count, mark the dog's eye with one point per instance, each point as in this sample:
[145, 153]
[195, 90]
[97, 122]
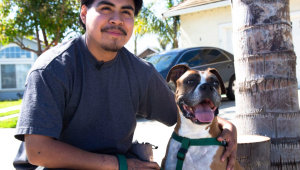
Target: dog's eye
[190, 81]
[216, 83]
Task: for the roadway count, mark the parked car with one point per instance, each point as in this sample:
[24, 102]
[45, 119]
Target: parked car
[199, 58]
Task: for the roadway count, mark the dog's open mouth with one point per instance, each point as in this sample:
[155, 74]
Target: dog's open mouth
[201, 113]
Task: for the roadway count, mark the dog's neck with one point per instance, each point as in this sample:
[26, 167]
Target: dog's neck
[186, 128]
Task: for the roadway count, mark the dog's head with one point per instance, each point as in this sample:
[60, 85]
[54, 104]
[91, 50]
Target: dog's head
[198, 93]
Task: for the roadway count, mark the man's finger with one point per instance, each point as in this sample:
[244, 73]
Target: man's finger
[229, 151]
[152, 165]
[231, 162]
[224, 135]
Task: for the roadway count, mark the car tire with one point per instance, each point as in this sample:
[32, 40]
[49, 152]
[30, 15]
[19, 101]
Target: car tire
[230, 91]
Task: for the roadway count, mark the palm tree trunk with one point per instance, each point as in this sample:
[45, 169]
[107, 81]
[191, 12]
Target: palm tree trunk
[265, 63]
[175, 31]
[135, 44]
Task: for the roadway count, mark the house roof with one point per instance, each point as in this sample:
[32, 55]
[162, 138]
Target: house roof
[189, 6]
[150, 48]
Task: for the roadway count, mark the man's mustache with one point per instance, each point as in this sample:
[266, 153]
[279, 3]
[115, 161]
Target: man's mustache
[114, 28]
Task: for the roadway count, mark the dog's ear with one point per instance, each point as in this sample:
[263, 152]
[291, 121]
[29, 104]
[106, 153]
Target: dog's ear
[176, 72]
[216, 73]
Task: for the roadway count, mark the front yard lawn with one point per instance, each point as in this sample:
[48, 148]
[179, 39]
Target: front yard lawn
[9, 123]
[9, 113]
[8, 103]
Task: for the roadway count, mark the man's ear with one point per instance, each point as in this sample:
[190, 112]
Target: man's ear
[176, 72]
[83, 13]
[216, 73]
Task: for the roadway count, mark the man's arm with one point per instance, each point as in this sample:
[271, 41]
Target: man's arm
[229, 133]
[48, 152]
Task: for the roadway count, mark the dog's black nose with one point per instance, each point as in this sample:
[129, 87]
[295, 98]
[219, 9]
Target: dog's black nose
[206, 86]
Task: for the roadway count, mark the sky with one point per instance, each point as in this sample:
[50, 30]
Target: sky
[148, 40]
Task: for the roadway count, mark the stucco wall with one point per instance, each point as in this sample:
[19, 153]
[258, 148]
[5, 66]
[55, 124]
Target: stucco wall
[202, 28]
[294, 5]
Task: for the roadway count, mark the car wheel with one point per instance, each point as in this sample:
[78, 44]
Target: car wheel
[231, 88]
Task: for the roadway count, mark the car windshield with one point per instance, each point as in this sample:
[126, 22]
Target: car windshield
[161, 61]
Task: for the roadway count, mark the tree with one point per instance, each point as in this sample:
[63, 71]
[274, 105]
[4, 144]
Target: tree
[50, 20]
[265, 63]
[166, 29]
[163, 42]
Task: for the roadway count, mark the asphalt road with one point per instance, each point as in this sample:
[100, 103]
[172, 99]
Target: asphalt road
[146, 131]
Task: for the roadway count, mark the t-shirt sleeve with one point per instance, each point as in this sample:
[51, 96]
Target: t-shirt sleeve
[158, 102]
[42, 106]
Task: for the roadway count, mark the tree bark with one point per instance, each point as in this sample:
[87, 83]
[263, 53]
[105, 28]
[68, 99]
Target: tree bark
[265, 63]
[135, 44]
[175, 31]
[254, 152]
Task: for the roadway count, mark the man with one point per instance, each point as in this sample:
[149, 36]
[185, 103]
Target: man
[82, 96]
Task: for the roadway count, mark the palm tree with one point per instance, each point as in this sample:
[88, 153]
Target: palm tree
[265, 63]
[166, 29]
[163, 42]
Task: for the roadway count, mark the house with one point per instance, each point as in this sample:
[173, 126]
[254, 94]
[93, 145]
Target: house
[147, 52]
[14, 66]
[209, 23]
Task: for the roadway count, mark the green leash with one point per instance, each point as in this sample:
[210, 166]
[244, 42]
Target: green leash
[186, 143]
[123, 162]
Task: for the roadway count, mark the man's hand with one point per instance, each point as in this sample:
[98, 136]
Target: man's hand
[229, 133]
[135, 164]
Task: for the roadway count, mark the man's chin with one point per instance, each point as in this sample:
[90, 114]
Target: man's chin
[111, 48]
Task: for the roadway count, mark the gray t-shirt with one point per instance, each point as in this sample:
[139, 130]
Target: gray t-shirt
[72, 97]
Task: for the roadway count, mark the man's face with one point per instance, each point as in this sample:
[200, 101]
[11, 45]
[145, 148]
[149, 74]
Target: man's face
[109, 23]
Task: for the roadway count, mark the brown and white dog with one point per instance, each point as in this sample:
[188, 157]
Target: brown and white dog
[198, 96]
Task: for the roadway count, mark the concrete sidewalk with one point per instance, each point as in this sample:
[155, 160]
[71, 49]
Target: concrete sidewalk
[7, 109]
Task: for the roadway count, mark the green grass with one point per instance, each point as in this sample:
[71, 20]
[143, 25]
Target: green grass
[9, 123]
[7, 103]
[9, 113]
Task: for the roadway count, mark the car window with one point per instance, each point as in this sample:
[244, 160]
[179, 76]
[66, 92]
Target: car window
[192, 58]
[213, 56]
[162, 61]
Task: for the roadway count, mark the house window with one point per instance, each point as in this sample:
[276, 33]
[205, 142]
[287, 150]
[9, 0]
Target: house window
[14, 75]
[14, 52]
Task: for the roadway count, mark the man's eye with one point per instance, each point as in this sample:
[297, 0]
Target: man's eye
[105, 8]
[216, 83]
[126, 12]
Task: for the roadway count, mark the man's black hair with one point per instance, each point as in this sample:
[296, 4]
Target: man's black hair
[137, 3]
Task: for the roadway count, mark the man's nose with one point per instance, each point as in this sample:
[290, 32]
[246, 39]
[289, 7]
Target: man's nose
[116, 19]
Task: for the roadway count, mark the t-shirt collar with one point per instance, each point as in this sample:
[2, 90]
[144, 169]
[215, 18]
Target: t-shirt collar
[91, 57]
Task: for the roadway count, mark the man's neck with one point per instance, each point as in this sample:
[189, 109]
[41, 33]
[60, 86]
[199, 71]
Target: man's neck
[99, 53]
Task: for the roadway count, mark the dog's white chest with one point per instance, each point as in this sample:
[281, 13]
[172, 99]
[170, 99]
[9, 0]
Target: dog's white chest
[197, 157]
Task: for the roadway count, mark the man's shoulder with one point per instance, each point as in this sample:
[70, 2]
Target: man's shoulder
[57, 52]
[137, 62]
[57, 60]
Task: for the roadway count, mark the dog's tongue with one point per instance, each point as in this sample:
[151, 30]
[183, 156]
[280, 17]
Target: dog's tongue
[204, 113]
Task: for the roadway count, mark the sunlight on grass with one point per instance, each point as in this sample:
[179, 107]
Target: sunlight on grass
[8, 103]
[9, 113]
[9, 123]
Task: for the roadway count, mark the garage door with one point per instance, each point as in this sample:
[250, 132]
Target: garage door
[296, 41]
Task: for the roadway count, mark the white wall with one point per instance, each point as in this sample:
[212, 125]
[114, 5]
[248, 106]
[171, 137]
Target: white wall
[202, 28]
